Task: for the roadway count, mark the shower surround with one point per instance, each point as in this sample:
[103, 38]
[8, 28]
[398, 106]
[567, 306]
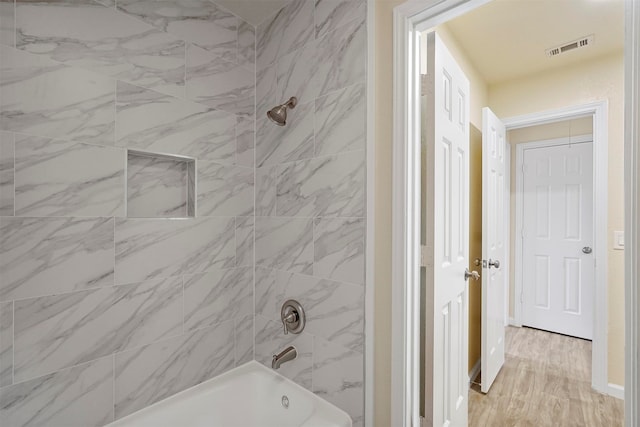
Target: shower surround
[104, 312]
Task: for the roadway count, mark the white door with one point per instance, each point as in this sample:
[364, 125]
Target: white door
[446, 223]
[558, 260]
[494, 248]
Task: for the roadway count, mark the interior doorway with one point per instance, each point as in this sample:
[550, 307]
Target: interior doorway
[436, 15]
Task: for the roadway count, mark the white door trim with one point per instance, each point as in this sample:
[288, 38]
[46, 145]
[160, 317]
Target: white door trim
[632, 211]
[599, 110]
[408, 18]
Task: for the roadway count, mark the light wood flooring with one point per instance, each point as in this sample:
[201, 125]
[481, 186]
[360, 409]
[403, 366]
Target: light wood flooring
[545, 381]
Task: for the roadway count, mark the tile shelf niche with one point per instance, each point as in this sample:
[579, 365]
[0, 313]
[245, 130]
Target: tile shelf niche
[160, 185]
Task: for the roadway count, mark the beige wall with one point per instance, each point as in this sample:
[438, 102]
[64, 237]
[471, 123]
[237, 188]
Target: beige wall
[383, 132]
[600, 79]
[475, 244]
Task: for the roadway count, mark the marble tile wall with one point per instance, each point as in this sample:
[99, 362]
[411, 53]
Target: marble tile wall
[102, 314]
[103, 310]
[310, 194]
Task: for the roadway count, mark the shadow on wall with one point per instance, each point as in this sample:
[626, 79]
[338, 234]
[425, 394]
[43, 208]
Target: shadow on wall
[475, 244]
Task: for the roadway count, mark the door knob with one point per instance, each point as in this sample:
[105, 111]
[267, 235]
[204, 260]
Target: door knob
[587, 250]
[473, 274]
[495, 263]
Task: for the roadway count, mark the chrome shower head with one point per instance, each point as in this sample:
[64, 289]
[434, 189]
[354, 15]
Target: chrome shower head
[278, 114]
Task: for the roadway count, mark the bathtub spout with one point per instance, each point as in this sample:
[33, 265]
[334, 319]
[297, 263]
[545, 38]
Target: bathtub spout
[285, 355]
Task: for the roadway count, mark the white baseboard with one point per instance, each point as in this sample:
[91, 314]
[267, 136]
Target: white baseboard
[616, 391]
[474, 371]
[512, 322]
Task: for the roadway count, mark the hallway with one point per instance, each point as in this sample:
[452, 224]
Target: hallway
[545, 381]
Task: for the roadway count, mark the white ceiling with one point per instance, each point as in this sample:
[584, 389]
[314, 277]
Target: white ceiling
[506, 39]
[252, 11]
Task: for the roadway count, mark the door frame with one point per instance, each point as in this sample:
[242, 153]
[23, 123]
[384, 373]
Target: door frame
[409, 19]
[598, 110]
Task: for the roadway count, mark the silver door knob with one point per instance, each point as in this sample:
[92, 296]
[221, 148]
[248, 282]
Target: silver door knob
[494, 263]
[473, 274]
[587, 250]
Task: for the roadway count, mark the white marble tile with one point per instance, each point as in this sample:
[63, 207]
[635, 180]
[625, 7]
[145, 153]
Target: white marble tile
[330, 15]
[294, 141]
[245, 141]
[341, 57]
[89, 35]
[341, 121]
[266, 191]
[338, 249]
[153, 248]
[41, 97]
[157, 186]
[6, 173]
[271, 340]
[46, 256]
[221, 84]
[244, 339]
[149, 374]
[267, 302]
[334, 310]
[60, 331]
[7, 23]
[64, 178]
[224, 190]
[74, 397]
[245, 227]
[266, 87]
[6, 343]
[197, 21]
[247, 45]
[158, 123]
[217, 296]
[285, 243]
[286, 31]
[295, 75]
[325, 186]
[338, 377]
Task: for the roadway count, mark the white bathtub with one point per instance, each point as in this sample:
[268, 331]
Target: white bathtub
[248, 396]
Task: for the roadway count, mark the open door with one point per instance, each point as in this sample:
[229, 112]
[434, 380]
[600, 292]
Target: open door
[494, 248]
[445, 236]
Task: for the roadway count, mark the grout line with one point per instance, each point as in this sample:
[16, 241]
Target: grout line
[183, 329]
[57, 371]
[114, 387]
[13, 342]
[13, 143]
[186, 47]
[15, 25]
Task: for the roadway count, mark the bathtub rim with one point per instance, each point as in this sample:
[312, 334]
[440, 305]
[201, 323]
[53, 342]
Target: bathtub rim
[246, 368]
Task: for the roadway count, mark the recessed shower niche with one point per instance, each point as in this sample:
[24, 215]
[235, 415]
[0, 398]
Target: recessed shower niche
[160, 186]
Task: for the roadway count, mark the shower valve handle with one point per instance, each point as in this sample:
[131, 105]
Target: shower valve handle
[290, 317]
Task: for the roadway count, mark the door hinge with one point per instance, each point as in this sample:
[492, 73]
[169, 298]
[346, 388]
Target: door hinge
[423, 256]
[522, 233]
[423, 421]
[523, 167]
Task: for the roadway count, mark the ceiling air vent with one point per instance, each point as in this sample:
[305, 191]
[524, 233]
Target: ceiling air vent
[576, 44]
